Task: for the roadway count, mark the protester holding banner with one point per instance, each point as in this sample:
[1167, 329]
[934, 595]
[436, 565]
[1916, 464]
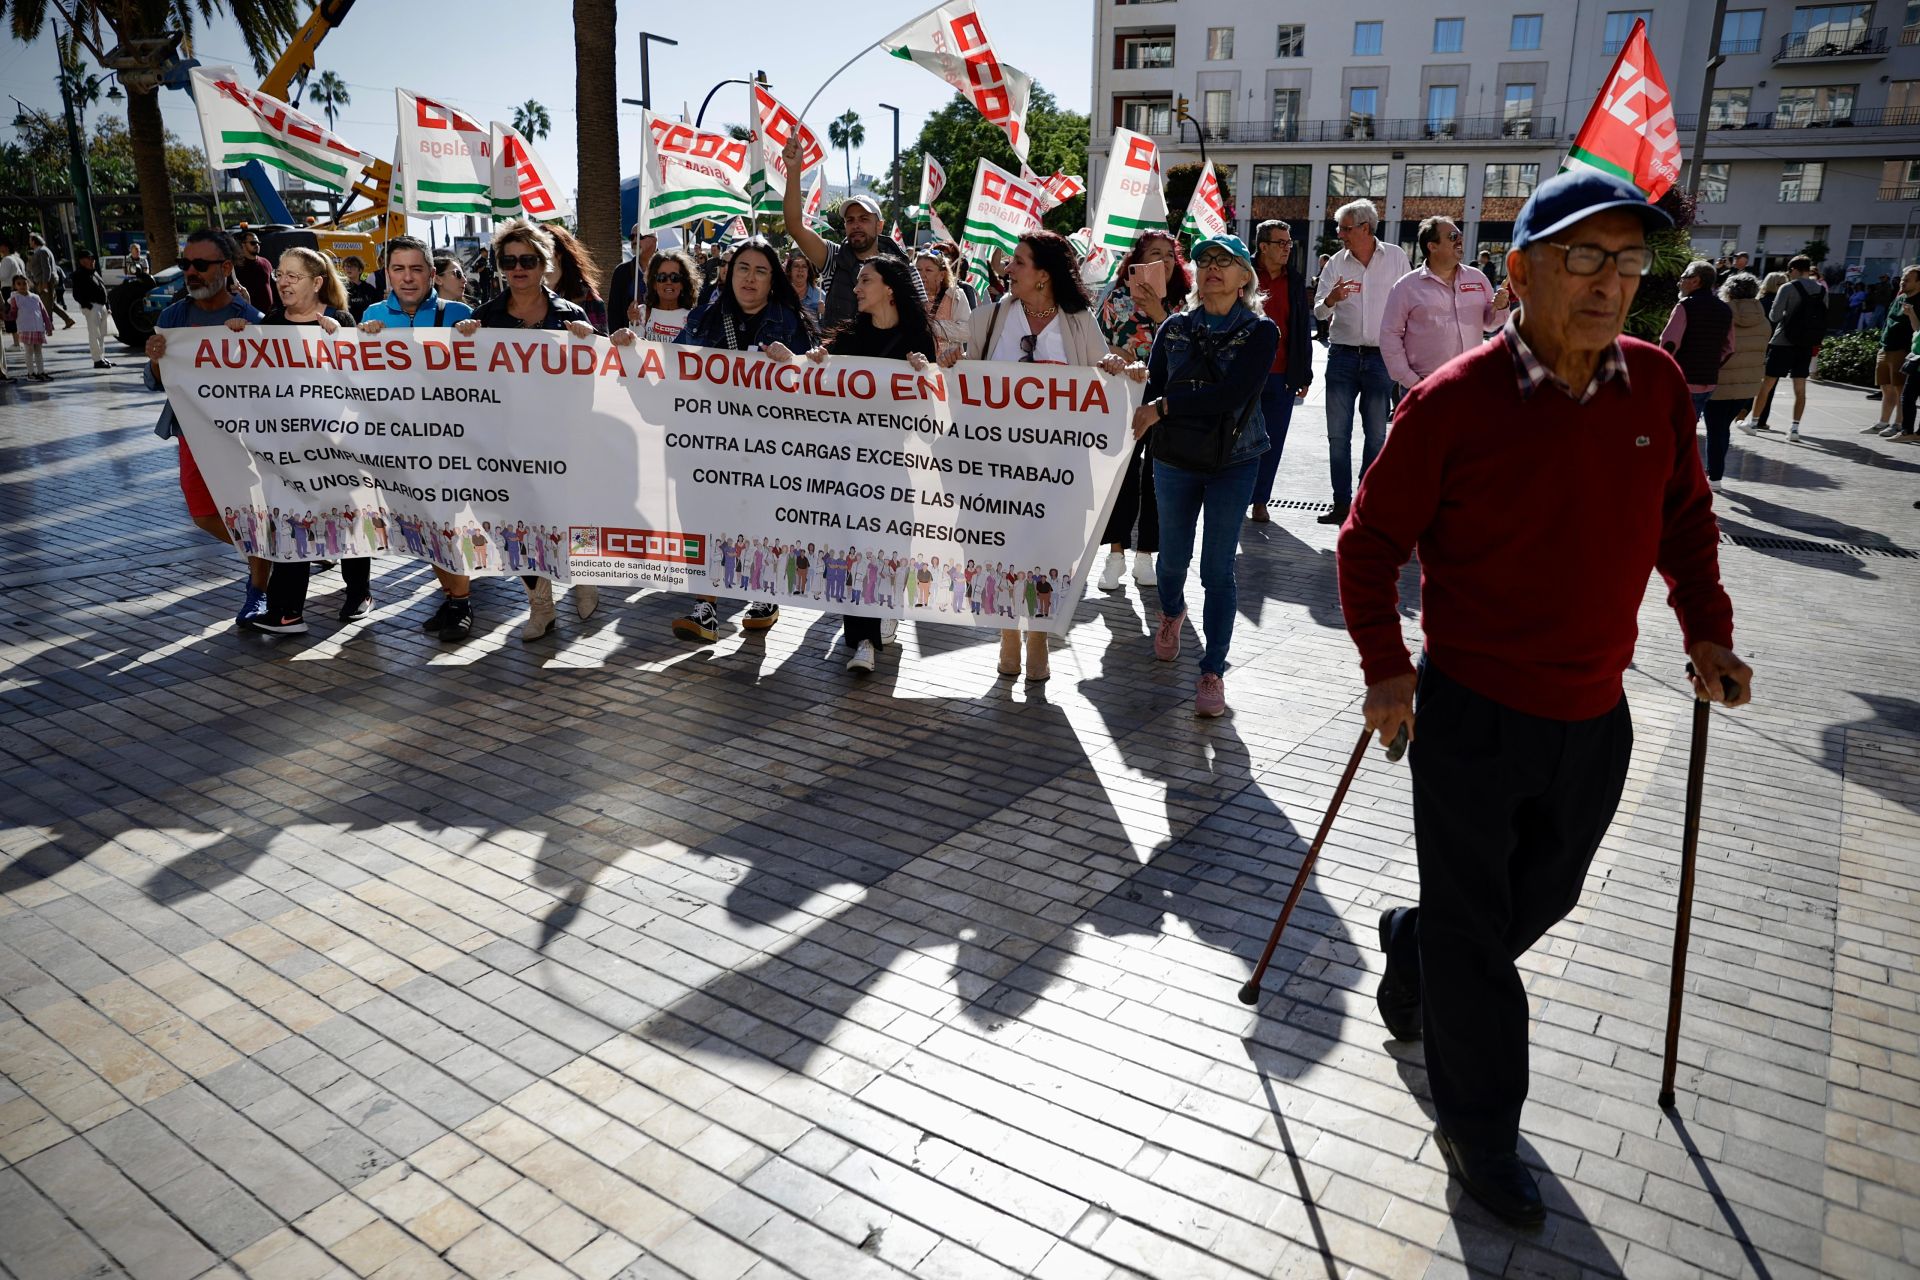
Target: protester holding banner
[1283, 296]
[311, 293]
[1149, 285]
[891, 324]
[946, 304]
[1202, 405]
[662, 312]
[207, 266]
[755, 310]
[413, 303]
[1046, 318]
[528, 253]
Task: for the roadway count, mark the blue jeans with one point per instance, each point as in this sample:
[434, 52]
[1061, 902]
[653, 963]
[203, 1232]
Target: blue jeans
[1700, 399]
[1223, 496]
[1276, 406]
[1355, 375]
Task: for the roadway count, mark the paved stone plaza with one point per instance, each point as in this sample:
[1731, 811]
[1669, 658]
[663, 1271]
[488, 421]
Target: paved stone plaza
[349, 954]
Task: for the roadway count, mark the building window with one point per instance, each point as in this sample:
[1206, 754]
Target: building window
[1219, 44]
[1443, 105]
[1903, 102]
[1517, 110]
[1839, 25]
[1436, 180]
[1282, 179]
[1728, 109]
[1526, 31]
[1740, 31]
[1366, 39]
[1146, 53]
[1293, 40]
[1449, 34]
[1146, 115]
[1620, 26]
[1800, 181]
[1286, 115]
[1216, 105]
[1361, 106]
[1814, 104]
[1512, 179]
[1356, 181]
[1713, 182]
[1900, 180]
[1910, 28]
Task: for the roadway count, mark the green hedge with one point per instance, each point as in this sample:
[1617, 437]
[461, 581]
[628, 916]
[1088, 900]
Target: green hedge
[1849, 358]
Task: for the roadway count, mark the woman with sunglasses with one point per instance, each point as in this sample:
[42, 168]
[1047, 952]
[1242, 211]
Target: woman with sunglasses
[668, 298]
[1202, 406]
[449, 277]
[1045, 318]
[526, 252]
[1444, 307]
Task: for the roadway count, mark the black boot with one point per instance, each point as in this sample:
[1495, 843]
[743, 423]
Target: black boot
[1500, 1181]
[1399, 996]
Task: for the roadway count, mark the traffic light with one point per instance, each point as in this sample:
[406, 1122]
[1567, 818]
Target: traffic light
[1180, 108]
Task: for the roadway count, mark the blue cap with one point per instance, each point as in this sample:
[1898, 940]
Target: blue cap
[1231, 243]
[1566, 198]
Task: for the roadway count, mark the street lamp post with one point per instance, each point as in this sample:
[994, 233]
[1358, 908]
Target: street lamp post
[645, 100]
[1695, 164]
[77, 163]
[894, 211]
[759, 78]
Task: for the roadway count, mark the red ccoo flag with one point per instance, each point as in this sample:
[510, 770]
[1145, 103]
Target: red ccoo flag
[1630, 132]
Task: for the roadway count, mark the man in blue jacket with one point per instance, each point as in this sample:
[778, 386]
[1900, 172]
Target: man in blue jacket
[1284, 289]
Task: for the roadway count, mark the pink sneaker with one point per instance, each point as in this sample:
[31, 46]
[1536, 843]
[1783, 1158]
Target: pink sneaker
[1166, 637]
[1211, 698]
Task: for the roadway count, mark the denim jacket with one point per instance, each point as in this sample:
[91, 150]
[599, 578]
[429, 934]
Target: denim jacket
[1245, 350]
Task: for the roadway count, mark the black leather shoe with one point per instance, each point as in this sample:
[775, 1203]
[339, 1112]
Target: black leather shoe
[1336, 516]
[1500, 1181]
[1399, 996]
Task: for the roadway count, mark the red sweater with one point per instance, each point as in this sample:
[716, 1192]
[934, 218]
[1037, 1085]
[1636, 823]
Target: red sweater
[1537, 522]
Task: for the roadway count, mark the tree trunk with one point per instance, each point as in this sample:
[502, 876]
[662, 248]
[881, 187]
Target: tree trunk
[596, 110]
[147, 136]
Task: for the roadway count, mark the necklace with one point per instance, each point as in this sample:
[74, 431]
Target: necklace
[1041, 316]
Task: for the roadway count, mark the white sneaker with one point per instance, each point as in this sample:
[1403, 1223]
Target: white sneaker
[863, 657]
[585, 601]
[889, 629]
[1143, 569]
[1793, 432]
[1719, 486]
[541, 617]
[1110, 575]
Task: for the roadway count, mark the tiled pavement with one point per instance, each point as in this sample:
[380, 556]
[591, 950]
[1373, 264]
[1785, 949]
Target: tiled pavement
[346, 955]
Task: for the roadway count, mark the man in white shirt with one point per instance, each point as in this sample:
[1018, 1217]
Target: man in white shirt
[1352, 298]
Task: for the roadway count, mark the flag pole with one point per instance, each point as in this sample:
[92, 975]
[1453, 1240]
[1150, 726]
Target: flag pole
[856, 57]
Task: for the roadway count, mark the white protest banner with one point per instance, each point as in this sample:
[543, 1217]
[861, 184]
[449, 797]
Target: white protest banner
[1054, 191]
[240, 125]
[1003, 209]
[972, 495]
[933, 180]
[522, 183]
[688, 173]
[1097, 262]
[952, 43]
[1206, 211]
[448, 157]
[1132, 198]
[769, 167]
[816, 200]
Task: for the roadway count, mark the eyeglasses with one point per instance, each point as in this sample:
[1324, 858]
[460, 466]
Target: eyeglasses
[1284, 244]
[1215, 260]
[1587, 259]
[521, 262]
[1027, 343]
[1456, 238]
[201, 264]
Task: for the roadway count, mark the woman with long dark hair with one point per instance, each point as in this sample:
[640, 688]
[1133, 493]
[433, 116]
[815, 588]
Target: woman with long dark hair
[575, 276]
[889, 323]
[1045, 318]
[667, 297]
[1150, 285]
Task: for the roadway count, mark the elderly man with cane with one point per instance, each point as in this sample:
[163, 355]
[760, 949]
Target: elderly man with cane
[1541, 478]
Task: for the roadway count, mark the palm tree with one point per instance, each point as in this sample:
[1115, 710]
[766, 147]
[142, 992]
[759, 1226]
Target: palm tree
[596, 107]
[846, 132]
[531, 121]
[330, 95]
[150, 30]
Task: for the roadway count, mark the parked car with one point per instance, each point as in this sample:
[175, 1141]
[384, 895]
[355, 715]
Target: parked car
[137, 301]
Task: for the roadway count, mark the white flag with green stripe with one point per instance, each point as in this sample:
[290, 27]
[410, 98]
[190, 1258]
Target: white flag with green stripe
[240, 125]
[1206, 211]
[1132, 198]
[768, 155]
[448, 157]
[950, 41]
[523, 186]
[1001, 210]
[688, 173]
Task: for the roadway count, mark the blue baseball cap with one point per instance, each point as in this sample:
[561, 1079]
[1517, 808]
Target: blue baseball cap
[1566, 198]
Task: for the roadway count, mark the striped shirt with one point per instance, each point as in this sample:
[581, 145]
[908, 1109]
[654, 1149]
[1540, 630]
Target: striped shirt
[1533, 374]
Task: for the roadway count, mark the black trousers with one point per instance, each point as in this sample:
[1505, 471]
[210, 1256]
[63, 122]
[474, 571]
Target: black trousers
[1136, 503]
[856, 629]
[1508, 810]
[287, 584]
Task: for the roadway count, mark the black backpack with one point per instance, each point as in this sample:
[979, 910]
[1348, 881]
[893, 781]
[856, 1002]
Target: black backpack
[1806, 323]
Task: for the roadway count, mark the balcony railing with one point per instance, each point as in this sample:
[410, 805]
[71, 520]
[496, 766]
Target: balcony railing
[1910, 35]
[1903, 191]
[1808, 46]
[1731, 47]
[1379, 129]
[1768, 121]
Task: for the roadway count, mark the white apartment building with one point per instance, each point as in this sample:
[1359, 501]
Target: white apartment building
[1461, 107]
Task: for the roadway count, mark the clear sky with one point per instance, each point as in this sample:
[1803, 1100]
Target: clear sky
[487, 56]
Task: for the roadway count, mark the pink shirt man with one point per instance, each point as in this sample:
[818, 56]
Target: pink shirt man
[1428, 322]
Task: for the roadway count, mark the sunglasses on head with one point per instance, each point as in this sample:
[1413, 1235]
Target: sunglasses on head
[521, 262]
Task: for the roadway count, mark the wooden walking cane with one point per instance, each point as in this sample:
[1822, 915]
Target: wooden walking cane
[1689, 847]
[1250, 994]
